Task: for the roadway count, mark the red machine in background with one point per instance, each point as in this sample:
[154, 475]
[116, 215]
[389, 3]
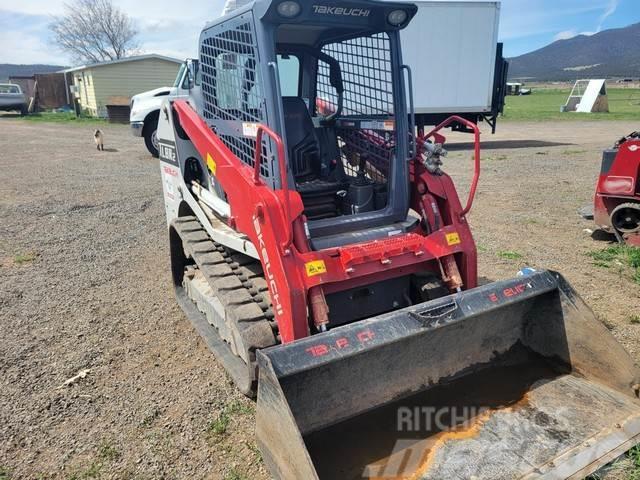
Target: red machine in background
[617, 199]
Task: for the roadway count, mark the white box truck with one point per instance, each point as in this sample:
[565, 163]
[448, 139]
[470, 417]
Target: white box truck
[465, 75]
[456, 61]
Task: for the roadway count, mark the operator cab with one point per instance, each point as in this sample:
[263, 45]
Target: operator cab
[338, 100]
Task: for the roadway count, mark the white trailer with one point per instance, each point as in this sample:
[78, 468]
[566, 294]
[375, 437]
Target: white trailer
[456, 61]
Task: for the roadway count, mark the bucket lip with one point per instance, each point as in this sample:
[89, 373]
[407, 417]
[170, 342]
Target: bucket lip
[352, 339]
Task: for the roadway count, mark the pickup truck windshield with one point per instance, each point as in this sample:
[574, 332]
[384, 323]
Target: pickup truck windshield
[9, 89]
[178, 81]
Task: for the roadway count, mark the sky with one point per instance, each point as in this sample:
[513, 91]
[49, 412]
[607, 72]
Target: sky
[172, 27]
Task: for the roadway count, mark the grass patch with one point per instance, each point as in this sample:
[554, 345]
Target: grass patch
[25, 258]
[573, 152]
[108, 452]
[220, 425]
[634, 456]
[5, 473]
[233, 474]
[634, 319]
[62, 117]
[509, 255]
[241, 408]
[256, 451]
[620, 255]
[92, 471]
[544, 104]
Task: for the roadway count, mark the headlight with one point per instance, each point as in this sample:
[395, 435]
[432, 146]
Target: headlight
[397, 17]
[289, 9]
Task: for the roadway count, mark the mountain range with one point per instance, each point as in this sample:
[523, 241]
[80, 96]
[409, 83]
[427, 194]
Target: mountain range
[610, 53]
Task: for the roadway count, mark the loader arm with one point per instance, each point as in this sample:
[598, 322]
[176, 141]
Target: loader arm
[258, 212]
[291, 266]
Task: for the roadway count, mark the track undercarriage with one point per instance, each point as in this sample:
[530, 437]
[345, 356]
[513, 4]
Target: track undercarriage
[229, 289]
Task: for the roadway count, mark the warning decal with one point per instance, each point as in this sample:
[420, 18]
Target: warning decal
[211, 164]
[453, 239]
[316, 267]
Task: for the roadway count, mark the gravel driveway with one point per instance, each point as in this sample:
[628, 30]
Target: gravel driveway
[85, 291]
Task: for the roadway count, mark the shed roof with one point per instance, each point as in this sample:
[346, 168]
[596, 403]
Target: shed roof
[123, 60]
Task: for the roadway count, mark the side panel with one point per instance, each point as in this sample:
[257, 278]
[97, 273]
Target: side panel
[451, 49]
[175, 152]
[169, 166]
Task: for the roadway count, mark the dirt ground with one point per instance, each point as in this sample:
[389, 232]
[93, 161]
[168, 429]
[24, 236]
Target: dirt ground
[85, 286]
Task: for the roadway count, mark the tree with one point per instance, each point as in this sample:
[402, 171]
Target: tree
[94, 31]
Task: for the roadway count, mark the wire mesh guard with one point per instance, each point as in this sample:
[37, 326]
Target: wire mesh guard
[233, 92]
[365, 63]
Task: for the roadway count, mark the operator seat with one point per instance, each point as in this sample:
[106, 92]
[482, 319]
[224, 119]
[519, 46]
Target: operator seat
[318, 190]
[304, 149]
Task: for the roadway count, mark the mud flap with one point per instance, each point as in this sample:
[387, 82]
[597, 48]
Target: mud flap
[515, 379]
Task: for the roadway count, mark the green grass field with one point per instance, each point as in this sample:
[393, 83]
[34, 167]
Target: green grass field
[61, 117]
[544, 104]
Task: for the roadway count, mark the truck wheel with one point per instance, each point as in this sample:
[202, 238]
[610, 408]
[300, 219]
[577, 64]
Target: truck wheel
[150, 134]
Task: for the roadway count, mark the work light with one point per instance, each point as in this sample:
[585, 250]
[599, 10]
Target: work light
[396, 17]
[289, 9]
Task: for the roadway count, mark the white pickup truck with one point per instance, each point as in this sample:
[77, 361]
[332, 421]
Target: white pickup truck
[145, 106]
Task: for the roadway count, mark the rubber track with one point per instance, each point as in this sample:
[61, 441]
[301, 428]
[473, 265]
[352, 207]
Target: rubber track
[237, 281]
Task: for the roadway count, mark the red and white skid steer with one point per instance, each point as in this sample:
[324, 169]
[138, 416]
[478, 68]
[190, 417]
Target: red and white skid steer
[325, 257]
[616, 204]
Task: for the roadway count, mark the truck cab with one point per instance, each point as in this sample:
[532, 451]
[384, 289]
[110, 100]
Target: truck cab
[145, 106]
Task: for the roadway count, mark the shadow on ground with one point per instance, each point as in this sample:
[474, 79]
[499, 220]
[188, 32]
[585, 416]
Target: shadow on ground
[602, 236]
[506, 144]
[10, 115]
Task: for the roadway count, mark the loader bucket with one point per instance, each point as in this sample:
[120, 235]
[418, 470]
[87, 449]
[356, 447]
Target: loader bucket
[515, 379]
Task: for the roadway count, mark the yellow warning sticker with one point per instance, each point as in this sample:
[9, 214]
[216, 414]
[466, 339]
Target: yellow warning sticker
[211, 164]
[315, 267]
[453, 239]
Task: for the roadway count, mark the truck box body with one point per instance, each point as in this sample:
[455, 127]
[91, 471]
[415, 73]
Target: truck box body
[451, 48]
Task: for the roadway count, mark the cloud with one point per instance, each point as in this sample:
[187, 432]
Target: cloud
[611, 9]
[565, 35]
[163, 28]
[26, 38]
[26, 48]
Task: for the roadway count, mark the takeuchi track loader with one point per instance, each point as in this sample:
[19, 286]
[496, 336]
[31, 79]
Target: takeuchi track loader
[324, 255]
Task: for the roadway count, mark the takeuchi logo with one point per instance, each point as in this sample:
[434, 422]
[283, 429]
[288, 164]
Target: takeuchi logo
[341, 11]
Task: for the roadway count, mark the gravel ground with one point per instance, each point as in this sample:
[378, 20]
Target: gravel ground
[85, 286]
